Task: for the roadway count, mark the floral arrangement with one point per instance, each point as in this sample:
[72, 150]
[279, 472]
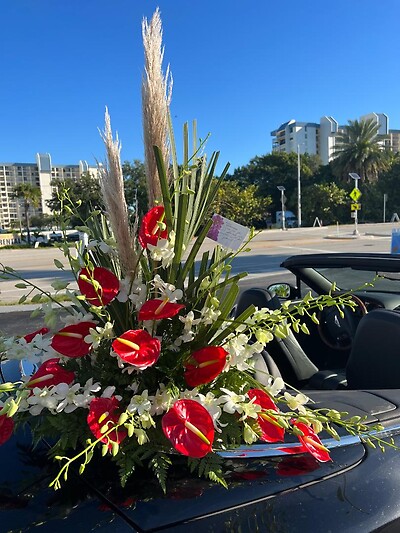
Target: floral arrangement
[144, 362]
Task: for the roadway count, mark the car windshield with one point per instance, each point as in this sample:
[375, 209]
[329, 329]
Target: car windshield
[351, 279]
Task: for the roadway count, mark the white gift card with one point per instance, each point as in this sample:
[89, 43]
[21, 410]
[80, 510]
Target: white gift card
[227, 233]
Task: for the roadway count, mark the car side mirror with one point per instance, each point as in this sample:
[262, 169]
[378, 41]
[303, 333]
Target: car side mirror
[282, 290]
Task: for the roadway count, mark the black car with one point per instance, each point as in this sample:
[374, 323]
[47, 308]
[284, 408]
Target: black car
[349, 363]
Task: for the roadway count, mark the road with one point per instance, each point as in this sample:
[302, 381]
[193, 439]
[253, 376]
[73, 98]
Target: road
[268, 249]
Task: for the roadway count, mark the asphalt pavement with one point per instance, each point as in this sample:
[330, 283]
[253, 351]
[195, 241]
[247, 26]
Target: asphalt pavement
[268, 249]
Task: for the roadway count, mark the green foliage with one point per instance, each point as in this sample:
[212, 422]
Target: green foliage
[278, 168]
[160, 464]
[135, 187]
[327, 201]
[42, 221]
[84, 194]
[358, 149]
[30, 196]
[388, 183]
[209, 467]
[65, 430]
[28, 193]
[241, 204]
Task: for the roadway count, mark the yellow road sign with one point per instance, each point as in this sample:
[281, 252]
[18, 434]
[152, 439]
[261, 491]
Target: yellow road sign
[355, 194]
[355, 207]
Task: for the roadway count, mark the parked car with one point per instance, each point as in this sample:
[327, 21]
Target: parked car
[73, 237]
[347, 363]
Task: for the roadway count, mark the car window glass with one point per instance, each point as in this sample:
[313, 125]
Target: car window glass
[349, 279]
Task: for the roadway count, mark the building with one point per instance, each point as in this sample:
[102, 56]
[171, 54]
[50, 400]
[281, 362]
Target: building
[292, 136]
[319, 138]
[39, 174]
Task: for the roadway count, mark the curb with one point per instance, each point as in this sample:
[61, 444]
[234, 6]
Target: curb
[351, 236]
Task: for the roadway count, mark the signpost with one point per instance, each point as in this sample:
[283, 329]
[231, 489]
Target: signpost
[355, 195]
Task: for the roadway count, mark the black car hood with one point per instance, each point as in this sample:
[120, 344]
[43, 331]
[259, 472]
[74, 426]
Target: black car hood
[27, 503]
[251, 481]
[95, 501]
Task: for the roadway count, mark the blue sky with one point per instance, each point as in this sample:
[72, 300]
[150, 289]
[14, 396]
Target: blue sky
[240, 67]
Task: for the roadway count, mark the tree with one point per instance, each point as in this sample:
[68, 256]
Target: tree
[326, 201]
[278, 168]
[30, 196]
[42, 221]
[135, 187]
[241, 204]
[389, 184]
[359, 149]
[84, 193]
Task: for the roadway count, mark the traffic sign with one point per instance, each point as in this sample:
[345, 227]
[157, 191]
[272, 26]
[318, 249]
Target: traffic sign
[355, 194]
[355, 207]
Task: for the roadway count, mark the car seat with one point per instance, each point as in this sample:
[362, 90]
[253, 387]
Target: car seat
[374, 361]
[286, 354]
[286, 357]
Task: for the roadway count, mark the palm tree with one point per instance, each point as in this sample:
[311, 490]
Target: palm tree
[30, 195]
[359, 149]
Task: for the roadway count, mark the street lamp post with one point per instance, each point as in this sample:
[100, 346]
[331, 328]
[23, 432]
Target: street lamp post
[355, 177]
[298, 188]
[384, 207]
[282, 189]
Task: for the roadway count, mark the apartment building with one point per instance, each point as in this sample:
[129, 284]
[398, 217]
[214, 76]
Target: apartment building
[292, 136]
[39, 174]
[319, 138]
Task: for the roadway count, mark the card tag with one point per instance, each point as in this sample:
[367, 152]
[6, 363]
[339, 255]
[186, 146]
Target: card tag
[227, 233]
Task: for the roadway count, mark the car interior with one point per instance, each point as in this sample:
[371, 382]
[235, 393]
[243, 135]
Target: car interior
[365, 381]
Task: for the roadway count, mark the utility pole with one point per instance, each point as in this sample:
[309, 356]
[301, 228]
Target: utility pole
[384, 206]
[283, 199]
[298, 188]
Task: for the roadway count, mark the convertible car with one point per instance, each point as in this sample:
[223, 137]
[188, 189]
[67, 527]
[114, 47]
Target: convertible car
[349, 362]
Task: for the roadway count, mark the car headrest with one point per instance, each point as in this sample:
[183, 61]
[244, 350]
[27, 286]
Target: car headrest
[289, 349]
[374, 361]
[257, 297]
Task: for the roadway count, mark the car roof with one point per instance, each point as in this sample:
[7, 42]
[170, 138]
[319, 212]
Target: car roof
[358, 261]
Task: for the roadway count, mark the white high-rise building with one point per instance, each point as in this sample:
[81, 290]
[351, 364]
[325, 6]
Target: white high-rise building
[319, 139]
[40, 175]
[292, 136]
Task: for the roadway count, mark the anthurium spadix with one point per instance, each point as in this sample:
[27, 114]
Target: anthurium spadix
[70, 341]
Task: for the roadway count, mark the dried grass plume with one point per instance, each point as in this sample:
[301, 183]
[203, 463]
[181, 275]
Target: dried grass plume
[156, 97]
[112, 187]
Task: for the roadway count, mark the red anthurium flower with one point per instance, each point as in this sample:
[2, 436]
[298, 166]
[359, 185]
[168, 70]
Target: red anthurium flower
[31, 336]
[204, 365]
[159, 309]
[108, 282]
[70, 341]
[189, 427]
[138, 348]
[310, 443]
[270, 432]
[6, 428]
[55, 372]
[150, 231]
[104, 411]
